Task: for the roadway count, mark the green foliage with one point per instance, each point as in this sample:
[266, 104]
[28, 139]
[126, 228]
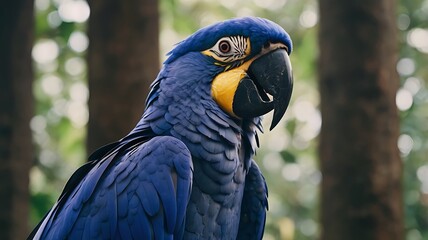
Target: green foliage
[413, 33]
[60, 115]
[288, 155]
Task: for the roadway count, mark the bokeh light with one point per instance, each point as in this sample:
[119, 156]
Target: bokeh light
[45, 51]
[413, 85]
[75, 66]
[308, 18]
[405, 144]
[74, 11]
[78, 41]
[403, 21]
[291, 172]
[404, 99]
[54, 20]
[406, 66]
[52, 85]
[418, 38]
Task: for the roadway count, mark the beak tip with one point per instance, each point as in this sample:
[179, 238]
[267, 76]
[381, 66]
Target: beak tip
[277, 116]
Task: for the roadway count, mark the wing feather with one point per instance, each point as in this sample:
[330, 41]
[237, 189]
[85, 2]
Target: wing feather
[151, 205]
[165, 189]
[139, 192]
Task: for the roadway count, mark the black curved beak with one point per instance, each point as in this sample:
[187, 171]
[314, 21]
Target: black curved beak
[270, 74]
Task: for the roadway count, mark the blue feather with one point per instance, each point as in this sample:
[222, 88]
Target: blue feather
[124, 230]
[254, 205]
[149, 198]
[139, 222]
[212, 146]
[112, 206]
[218, 120]
[122, 203]
[217, 176]
[226, 167]
[165, 190]
[260, 30]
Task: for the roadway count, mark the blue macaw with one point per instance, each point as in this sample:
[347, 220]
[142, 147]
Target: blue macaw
[186, 170]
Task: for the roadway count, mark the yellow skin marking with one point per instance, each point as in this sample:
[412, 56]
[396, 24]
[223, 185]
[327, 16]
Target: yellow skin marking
[248, 50]
[224, 86]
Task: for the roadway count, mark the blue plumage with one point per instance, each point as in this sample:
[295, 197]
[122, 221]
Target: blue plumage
[137, 191]
[260, 30]
[186, 170]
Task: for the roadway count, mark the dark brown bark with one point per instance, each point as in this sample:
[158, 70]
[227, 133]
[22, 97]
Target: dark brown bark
[123, 59]
[16, 108]
[361, 189]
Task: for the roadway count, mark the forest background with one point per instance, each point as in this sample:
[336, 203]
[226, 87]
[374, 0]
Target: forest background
[288, 156]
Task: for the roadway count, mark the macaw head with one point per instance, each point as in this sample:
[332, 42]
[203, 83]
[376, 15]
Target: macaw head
[246, 61]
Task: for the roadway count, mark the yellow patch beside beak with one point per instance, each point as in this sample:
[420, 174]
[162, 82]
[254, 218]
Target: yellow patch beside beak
[225, 84]
[224, 87]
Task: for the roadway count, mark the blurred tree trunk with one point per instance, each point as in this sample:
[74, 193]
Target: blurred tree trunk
[361, 191]
[123, 59]
[16, 108]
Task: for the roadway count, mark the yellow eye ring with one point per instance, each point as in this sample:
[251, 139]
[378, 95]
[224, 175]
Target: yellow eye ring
[229, 49]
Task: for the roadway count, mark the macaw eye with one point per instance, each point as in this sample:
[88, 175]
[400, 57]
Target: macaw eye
[224, 46]
[230, 49]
